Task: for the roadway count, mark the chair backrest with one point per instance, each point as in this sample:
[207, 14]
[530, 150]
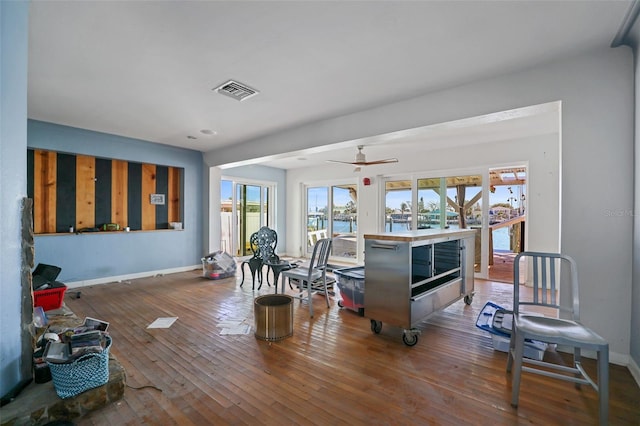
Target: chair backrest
[547, 270]
[267, 240]
[314, 236]
[253, 245]
[320, 256]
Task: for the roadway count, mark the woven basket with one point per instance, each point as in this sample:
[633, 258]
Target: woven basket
[87, 372]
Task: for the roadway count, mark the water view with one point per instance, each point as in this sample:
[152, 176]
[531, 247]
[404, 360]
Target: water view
[500, 235]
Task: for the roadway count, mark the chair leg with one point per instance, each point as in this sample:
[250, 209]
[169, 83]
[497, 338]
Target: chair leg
[576, 361]
[603, 384]
[253, 280]
[242, 269]
[268, 267]
[517, 364]
[309, 299]
[326, 293]
[512, 343]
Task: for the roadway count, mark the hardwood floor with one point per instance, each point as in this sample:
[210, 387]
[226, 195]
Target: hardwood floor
[333, 370]
[502, 268]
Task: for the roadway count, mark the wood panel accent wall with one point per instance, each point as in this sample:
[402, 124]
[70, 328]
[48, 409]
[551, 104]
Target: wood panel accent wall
[87, 192]
[148, 188]
[173, 195]
[44, 198]
[119, 192]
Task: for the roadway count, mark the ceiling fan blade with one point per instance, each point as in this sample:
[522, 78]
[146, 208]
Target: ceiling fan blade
[388, 160]
[365, 163]
[341, 162]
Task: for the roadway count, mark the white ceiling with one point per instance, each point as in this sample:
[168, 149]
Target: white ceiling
[146, 69]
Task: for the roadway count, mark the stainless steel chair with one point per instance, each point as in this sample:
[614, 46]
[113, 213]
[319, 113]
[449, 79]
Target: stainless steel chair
[564, 331]
[312, 278]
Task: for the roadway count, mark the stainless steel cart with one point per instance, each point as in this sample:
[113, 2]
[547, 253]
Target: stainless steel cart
[411, 275]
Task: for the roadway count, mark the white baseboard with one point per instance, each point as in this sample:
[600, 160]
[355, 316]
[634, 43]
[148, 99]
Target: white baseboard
[635, 370]
[625, 361]
[615, 358]
[120, 278]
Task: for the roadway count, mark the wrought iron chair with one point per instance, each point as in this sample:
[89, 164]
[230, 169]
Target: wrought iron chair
[254, 262]
[547, 267]
[263, 244]
[312, 278]
[267, 240]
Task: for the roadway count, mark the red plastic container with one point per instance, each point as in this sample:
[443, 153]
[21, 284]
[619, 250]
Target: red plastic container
[50, 298]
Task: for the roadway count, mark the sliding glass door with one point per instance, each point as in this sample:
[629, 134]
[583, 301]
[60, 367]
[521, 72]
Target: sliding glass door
[245, 207]
[332, 213]
[317, 215]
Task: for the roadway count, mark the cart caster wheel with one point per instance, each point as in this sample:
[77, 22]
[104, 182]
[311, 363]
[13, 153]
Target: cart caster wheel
[340, 304]
[376, 326]
[468, 299]
[410, 339]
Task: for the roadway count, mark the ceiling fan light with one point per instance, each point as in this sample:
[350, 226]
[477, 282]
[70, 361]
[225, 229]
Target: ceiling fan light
[361, 161]
[360, 158]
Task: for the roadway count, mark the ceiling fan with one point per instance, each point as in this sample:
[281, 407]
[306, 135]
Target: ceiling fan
[361, 160]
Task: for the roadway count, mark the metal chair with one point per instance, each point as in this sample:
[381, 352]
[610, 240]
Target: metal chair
[312, 278]
[547, 267]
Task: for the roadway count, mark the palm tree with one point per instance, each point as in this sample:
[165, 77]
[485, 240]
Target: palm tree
[405, 206]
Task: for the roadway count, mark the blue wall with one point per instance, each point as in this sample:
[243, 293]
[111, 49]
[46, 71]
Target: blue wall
[92, 256]
[13, 178]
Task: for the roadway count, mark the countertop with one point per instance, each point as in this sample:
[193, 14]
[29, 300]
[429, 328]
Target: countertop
[420, 234]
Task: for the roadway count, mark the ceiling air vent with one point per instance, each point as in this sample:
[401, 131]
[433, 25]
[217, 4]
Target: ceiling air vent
[236, 90]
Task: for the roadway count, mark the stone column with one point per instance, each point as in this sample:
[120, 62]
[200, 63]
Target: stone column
[28, 331]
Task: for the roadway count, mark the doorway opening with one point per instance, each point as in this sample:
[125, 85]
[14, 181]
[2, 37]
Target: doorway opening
[507, 220]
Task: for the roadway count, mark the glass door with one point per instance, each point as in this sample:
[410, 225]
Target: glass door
[317, 215]
[248, 212]
[245, 207]
[332, 212]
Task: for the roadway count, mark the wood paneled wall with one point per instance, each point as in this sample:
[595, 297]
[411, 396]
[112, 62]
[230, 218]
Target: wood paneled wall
[87, 192]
